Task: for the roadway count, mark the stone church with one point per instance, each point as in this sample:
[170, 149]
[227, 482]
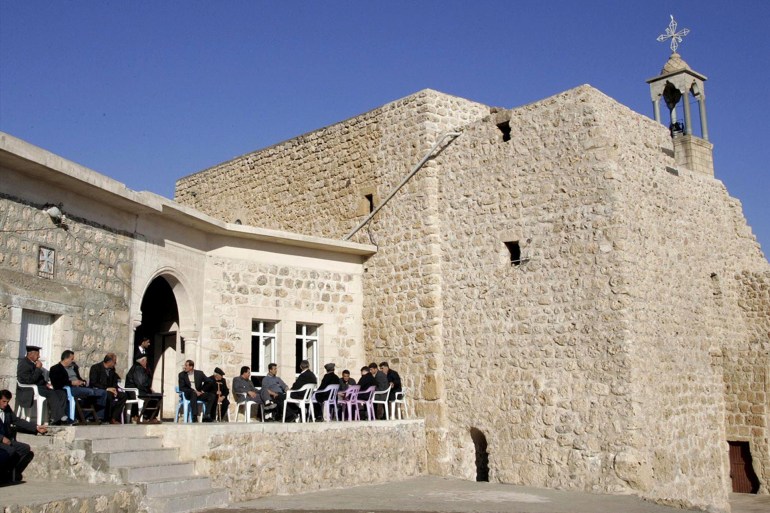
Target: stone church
[571, 296]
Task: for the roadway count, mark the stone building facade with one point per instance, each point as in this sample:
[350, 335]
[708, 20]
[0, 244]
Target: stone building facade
[564, 297]
[125, 264]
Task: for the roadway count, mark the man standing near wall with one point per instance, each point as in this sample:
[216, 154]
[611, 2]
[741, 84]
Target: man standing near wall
[143, 349]
[30, 372]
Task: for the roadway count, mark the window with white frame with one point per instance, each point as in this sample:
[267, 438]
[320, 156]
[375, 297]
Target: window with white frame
[263, 345]
[307, 346]
[37, 330]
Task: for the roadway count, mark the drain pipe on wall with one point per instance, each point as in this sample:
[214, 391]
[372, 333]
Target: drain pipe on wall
[453, 135]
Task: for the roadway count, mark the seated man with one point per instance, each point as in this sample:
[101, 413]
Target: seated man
[191, 384]
[67, 373]
[306, 377]
[367, 381]
[394, 380]
[346, 380]
[330, 378]
[30, 372]
[274, 389]
[217, 385]
[103, 376]
[140, 378]
[18, 454]
[242, 385]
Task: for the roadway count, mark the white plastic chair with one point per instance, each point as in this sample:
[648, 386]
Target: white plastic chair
[23, 411]
[330, 402]
[381, 397]
[400, 399]
[246, 407]
[303, 402]
[139, 402]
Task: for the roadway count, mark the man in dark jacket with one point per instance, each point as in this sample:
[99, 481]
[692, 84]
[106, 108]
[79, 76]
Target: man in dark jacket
[306, 377]
[217, 385]
[18, 454]
[66, 373]
[140, 378]
[102, 376]
[191, 384]
[330, 378]
[30, 372]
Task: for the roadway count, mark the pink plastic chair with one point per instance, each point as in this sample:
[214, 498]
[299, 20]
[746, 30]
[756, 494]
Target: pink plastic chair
[350, 402]
[368, 402]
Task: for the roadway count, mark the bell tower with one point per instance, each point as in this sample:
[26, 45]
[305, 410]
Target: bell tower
[677, 83]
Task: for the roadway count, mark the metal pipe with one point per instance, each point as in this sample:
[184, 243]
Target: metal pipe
[453, 135]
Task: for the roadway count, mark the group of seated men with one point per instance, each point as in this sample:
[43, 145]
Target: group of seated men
[274, 390]
[102, 389]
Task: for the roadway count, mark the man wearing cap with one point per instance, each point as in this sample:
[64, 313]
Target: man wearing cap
[330, 378]
[191, 384]
[140, 378]
[30, 372]
[18, 454]
[217, 385]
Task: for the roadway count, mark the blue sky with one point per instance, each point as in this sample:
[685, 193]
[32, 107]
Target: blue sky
[149, 91]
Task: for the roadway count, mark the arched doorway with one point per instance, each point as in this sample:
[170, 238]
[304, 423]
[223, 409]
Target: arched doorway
[482, 456]
[160, 323]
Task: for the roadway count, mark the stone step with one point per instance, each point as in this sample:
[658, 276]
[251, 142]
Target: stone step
[117, 459]
[163, 487]
[108, 431]
[144, 473]
[186, 502]
[125, 444]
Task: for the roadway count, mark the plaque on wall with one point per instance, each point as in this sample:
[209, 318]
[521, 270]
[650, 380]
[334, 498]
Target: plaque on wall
[46, 261]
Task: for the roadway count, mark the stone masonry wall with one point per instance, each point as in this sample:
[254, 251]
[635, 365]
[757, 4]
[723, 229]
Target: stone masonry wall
[238, 291]
[328, 172]
[257, 460]
[684, 240]
[533, 351]
[88, 294]
[747, 375]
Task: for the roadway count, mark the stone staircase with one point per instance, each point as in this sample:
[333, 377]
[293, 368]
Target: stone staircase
[168, 485]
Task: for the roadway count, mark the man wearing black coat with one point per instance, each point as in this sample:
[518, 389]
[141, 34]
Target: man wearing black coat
[330, 378]
[18, 454]
[140, 378]
[103, 376]
[306, 377]
[217, 385]
[30, 372]
[66, 373]
[191, 384]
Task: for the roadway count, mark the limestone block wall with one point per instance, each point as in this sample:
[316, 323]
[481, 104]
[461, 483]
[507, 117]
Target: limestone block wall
[747, 375]
[315, 184]
[684, 241]
[534, 354]
[329, 172]
[257, 460]
[286, 290]
[88, 294]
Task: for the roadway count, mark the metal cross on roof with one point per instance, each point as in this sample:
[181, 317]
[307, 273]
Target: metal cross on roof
[671, 33]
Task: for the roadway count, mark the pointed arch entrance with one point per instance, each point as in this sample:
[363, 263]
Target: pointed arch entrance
[161, 303]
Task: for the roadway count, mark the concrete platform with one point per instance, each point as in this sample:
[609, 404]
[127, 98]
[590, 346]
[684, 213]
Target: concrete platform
[429, 494]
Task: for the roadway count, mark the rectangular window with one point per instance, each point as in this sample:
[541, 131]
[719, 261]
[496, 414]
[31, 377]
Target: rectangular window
[263, 345]
[37, 330]
[307, 346]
